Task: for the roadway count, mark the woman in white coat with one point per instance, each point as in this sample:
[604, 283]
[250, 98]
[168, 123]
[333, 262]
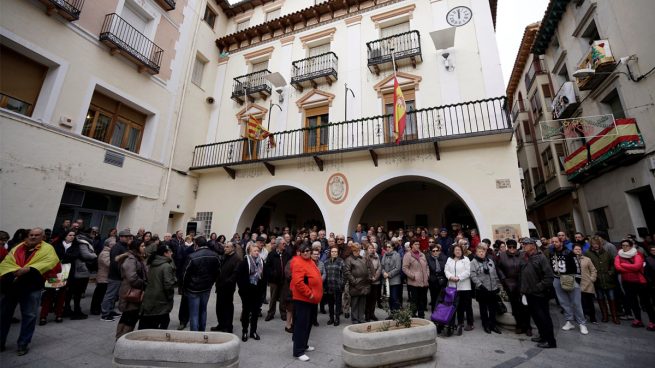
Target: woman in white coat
[458, 273]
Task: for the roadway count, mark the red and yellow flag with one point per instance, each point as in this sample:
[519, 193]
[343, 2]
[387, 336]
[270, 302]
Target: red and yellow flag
[399, 111]
[254, 129]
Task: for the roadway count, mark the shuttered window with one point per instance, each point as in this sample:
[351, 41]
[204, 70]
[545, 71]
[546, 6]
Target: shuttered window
[395, 29]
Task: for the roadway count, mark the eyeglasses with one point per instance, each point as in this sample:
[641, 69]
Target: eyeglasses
[306, 251]
[436, 250]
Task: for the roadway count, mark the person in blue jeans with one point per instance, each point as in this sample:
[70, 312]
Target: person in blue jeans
[565, 262]
[22, 279]
[200, 272]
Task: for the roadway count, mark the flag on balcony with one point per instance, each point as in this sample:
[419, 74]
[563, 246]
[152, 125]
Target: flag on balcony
[399, 114]
[254, 129]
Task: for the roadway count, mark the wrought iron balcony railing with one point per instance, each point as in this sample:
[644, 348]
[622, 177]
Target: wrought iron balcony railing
[251, 84]
[467, 119]
[537, 67]
[405, 46]
[122, 38]
[518, 108]
[312, 70]
[166, 4]
[68, 9]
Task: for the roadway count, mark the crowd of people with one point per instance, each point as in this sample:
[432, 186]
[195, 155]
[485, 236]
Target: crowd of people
[305, 272]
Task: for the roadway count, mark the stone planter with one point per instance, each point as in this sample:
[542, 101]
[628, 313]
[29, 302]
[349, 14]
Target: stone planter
[366, 345]
[165, 348]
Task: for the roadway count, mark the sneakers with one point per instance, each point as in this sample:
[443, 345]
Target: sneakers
[584, 330]
[568, 326]
[108, 318]
[303, 358]
[637, 323]
[310, 349]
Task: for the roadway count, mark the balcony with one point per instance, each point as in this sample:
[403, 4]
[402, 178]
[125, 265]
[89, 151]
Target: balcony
[122, 38]
[537, 67]
[313, 70]
[167, 5]
[613, 147]
[68, 9]
[518, 108]
[539, 191]
[406, 50]
[250, 86]
[565, 102]
[472, 122]
[599, 58]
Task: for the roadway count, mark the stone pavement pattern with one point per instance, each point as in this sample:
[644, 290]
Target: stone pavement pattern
[89, 343]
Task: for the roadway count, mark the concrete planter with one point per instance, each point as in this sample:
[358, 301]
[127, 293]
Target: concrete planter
[364, 346]
[165, 348]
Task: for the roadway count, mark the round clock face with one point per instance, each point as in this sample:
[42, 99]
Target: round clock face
[459, 16]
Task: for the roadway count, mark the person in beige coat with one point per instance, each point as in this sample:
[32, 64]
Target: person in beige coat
[101, 277]
[415, 267]
[588, 277]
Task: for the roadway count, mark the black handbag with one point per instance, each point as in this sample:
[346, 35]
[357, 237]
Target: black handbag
[501, 308]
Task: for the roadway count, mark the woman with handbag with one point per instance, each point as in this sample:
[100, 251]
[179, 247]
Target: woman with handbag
[487, 286]
[437, 279]
[458, 272]
[134, 280]
[629, 263]
[568, 275]
[588, 277]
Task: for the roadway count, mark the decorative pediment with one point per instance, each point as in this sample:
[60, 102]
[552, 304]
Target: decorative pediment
[252, 109]
[314, 98]
[405, 81]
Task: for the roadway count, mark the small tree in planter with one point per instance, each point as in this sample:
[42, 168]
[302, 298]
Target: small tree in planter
[401, 317]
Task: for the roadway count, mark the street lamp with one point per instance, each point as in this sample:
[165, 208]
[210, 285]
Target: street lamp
[345, 112]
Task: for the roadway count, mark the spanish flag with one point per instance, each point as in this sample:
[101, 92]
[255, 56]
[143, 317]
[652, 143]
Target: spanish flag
[254, 129]
[399, 114]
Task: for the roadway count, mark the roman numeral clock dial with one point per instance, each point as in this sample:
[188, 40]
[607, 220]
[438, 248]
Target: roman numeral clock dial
[459, 16]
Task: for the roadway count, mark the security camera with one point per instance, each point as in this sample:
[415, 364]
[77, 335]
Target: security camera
[210, 100]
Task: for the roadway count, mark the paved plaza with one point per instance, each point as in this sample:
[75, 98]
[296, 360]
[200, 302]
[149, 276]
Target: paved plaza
[89, 343]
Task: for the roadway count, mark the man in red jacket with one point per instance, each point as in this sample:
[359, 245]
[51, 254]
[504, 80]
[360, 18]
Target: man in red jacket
[307, 291]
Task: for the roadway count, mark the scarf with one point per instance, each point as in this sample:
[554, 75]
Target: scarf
[437, 266]
[483, 263]
[255, 269]
[43, 258]
[629, 254]
[416, 255]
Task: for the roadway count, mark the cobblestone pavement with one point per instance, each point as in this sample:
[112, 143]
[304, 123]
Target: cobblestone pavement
[89, 343]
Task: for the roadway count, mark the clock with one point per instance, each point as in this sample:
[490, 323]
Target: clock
[459, 16]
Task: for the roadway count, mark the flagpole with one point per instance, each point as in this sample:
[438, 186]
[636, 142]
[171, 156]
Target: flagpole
[393, 60]
[393, 64]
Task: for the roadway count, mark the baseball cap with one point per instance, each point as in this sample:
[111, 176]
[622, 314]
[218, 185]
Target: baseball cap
[528, 241]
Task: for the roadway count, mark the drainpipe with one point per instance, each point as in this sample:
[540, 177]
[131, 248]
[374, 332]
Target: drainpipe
[180, 108]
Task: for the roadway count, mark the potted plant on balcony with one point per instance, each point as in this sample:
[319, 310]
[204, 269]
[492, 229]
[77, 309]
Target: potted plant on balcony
[402, 340]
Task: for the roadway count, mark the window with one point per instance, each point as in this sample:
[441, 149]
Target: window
[209, 17]
[394, 30]
[527, 182]
[198, 70]
[561, 155]
[273, 14]
[243, 25]
[613, 104]
[536, 175]
[316, 138]
[206, 218]
[549, 164]
[535, 103]
[600, 219]
[21, 79]
[591, 33]
[563, 75]
[113, 122]
[135, 18]
[548, 97]
[411, 131]
[257, 67]
[526, 131]
[318, 50]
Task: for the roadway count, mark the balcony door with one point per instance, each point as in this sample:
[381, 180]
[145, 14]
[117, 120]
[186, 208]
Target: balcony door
[316, 134]
[317, 64]
[411, 131]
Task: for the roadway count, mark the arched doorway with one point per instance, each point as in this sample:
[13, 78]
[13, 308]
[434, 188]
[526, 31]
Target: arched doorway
[281, 206]
[411, 201]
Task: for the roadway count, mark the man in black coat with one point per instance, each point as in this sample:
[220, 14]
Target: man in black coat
[509, 270]
[114, 278]
[226, 285]
[275, 262]
[536, 281]
[200, 272]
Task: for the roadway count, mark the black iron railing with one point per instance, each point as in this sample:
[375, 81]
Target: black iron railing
[248, 84]
[540, 190]
[460, 120]
[517, 109]
[536, 67]
[71, 8]
[120, 33]
[404, 45]
[323, 65]
[166, 4]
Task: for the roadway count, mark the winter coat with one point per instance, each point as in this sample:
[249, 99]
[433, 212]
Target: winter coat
[358, 274]
[201, 270]
[376, 269]
[134, 276]
[334, 276]
[435, 275]
[509, 270]
[536, 275]
[227, 278]
[604, 264]
[631, 269]
[649, 270]
[588, 272]
[158, 298]
[416, 270]
[306, 282]
[274, 266]
[118, 249]
[489, 280]
[459, 268]
[392, 265]
[103, 265]
[87, 254]
[246, 289]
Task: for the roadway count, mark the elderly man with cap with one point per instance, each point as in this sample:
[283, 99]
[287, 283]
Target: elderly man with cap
[114, 278]
[536, 280]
